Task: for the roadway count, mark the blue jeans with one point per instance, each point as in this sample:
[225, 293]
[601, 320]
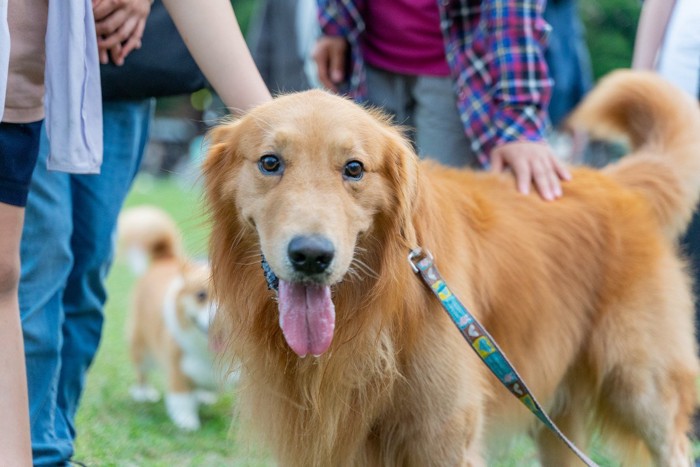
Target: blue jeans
[690, 244]
[66, 251]
[567, 58]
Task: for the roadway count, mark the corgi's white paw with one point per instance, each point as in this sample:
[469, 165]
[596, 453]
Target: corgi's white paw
[144, 393]
[206, 397]
[183, 410]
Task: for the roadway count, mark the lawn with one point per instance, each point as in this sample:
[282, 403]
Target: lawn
[112, 429]
[115, 431]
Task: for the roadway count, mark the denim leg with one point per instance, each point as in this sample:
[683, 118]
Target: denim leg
[96, 201]
[46, 262]
[567, 58]
[690, 243]
[66, 251]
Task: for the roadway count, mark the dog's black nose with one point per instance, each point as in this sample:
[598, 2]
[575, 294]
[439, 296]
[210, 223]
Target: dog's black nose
[310, 254]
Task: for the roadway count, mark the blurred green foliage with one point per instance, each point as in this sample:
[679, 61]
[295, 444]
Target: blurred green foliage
[610, 28]
[244, 9]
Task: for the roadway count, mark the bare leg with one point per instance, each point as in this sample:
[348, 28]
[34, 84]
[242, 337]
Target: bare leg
[15, 446]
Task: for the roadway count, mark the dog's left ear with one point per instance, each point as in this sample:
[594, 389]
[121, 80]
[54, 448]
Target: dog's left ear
[402, 172]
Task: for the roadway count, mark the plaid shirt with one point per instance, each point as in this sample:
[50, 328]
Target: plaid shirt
[495, 50]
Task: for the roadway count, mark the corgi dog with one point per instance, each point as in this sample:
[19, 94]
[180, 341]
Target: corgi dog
[170, 313]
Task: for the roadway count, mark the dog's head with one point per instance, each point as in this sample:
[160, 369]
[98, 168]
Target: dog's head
[194, 304]
[309, 176]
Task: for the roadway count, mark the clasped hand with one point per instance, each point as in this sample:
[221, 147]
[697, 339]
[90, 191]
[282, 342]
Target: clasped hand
[119, 25]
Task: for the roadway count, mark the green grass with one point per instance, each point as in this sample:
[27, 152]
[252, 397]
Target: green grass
[115, 431]
[112, 429]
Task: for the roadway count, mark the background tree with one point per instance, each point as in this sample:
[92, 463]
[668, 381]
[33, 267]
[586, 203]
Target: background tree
[610, 27]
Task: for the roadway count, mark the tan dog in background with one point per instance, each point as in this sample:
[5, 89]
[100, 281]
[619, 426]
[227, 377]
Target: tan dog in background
[170, 315]
[586, 295]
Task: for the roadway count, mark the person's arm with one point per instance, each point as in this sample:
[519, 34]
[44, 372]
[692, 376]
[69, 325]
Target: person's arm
[651, 29]
[517, 109]
[214, 38]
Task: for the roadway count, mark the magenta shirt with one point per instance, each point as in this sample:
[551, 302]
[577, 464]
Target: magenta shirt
[404, 36]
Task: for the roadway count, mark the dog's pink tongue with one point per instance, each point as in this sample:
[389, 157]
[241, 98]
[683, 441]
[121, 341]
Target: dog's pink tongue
[307, 317]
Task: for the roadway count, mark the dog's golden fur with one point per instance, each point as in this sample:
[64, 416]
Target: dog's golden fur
[587, 295]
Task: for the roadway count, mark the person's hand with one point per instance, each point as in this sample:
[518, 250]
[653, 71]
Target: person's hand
[531, 162]
[119, 25]
[329, 54]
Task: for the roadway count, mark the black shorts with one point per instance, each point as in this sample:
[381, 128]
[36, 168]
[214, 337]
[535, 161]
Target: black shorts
[19, 149]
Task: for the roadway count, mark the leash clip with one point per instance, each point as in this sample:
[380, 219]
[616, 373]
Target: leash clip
[416, 255]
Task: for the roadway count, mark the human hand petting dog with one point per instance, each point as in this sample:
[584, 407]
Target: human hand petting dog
[531, 162]
[119, 25]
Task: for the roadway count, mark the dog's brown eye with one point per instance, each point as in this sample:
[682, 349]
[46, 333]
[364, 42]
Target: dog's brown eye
[201, 296]
[353, 170]
[270, 164]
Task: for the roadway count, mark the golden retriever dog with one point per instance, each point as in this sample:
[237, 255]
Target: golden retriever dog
[355, 363]
[172, 307]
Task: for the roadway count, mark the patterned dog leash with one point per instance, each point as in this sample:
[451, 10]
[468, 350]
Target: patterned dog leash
[483, 344]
